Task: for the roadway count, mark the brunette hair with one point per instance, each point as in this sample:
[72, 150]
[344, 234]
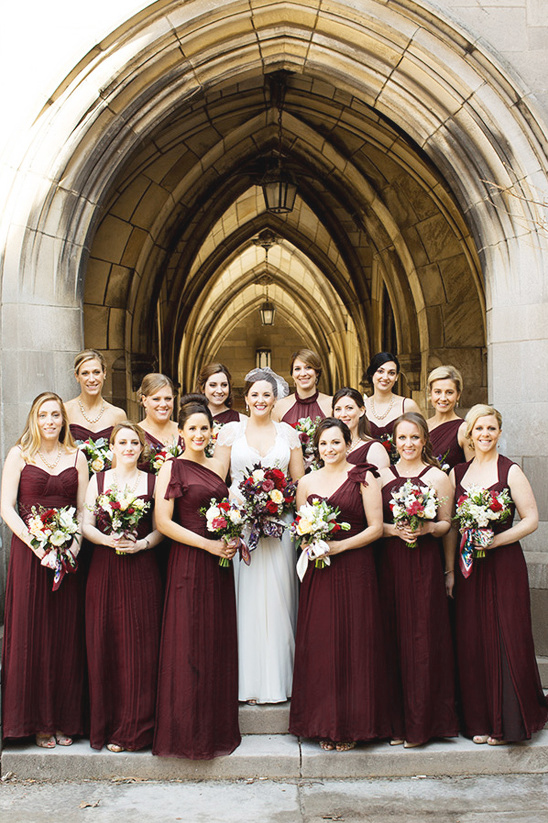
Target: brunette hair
[419, 421]
[379, 360]
[330, 423]
[153, 382]
[31, 438]
[309, 358]
[89, 354]
[193, 404]
[208, 371]
[477, 411]
[446, 373]
[357, 397]
[258, 375]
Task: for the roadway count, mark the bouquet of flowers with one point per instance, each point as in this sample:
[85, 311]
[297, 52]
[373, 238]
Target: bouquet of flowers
[442, 460]
[267, 494]
[210, 448]
[122, 510]
[315, 522]
[162, 453]
[412, 503]
[388, 443]
[306, 428]
[97, 453]
[225, 519]
[475, 510]
[53, 531]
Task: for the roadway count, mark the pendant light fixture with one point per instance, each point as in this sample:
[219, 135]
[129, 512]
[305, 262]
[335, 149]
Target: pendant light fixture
[278, 184]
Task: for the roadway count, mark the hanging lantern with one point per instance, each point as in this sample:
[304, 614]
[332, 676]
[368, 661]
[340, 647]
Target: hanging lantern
[279, 190]
[268, 313]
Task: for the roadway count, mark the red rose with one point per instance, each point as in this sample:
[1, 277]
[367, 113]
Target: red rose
[496, 505]
[224, 505]
[387, 445]
[335, 527]
[271, 507]
[115, 504]
[461, 499]
[131, 510]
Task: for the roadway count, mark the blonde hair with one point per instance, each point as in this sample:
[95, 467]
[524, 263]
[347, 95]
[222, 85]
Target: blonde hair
[477, 411]
[89, 354]
[153, 382]
[446, 373]
[31, 439]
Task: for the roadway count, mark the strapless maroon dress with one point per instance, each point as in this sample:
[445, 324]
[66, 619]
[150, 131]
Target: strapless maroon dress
[43, 658]
[418, 635]
[123, 619]
[197, 705]
[499, 679]
[340, 688]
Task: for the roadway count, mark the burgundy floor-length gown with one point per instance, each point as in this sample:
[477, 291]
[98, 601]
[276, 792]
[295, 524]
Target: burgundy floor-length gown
[383, 432]
[445, 443]
[499, 680]
[418, 636]
[43, 660]
[228, 416]
[81, 434]
[340, 679]
[123, 621]
[197, 705]
[303, 407]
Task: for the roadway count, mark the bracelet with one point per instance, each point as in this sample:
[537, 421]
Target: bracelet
[449, 571]
[146, 543]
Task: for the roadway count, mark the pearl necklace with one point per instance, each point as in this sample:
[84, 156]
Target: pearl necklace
[386, 413]
[54, 464]
[90, 419]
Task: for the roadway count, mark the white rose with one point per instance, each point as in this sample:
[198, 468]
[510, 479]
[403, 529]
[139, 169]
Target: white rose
[57, 538]
[276, 496]
[258, 475]
[235, 516]
[97, 465]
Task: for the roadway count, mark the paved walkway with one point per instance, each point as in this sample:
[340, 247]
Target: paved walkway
[487, 799]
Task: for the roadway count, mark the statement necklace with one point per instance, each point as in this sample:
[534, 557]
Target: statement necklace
[91, 419]
[53, 465]
[386, 413]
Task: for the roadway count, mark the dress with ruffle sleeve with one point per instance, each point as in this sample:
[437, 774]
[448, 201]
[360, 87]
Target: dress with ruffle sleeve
[197, 704]
[340, 686]
[266, 590]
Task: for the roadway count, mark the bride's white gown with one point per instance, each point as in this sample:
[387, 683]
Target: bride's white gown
[266, 590]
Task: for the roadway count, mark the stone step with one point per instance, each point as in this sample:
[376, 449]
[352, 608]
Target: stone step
[272, 718]
[542, 663]
[280, 756]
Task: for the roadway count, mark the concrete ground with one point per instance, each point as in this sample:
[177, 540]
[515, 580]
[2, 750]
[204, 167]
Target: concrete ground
[485, 799]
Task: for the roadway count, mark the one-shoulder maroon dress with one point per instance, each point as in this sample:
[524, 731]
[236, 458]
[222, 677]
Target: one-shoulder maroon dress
[500, 685]
[418, 635]
[340, 688]
[43, 659]
[303, 407]
[228, 416]
[197, 704]
[123, 620]
[445, 443]
[359, 455]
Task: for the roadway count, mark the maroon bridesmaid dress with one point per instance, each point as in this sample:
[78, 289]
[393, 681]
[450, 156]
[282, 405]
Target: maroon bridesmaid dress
[81, 434]
[197, 705]
[500, 684]
[418, 636]
[303, 407]
[359, 455]
[340, 689]
[383, 432]
[123, 620]
[43, 658]
[228, 416]
[445, 443]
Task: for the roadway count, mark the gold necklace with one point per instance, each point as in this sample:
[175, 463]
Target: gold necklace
[386, 413]
[128, 488]
[90, 419]
[54, 464]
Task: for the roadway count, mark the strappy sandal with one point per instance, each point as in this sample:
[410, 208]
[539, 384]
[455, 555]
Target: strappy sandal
[63, 739]
[492, 741]
[345, 745]
[327, 745]
[114, 747]
[480, 738]
[46, 741]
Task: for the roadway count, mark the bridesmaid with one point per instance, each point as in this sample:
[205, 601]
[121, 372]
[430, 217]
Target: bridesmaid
[413, 594]
[348, 406]
[306, 370]
[340, 690]
[501, 694]
[197, 706]
[447, 429]
[123, 607]
[43, 660]
[384, 407]
[157, 394]
[89, 414]
[214, 381]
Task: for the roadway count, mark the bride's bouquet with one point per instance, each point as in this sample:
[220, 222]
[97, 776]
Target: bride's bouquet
[267, 494]
[306, 428]
[122, 510]
[97, 453]
[161, 454]
[315, 523]
[224, 518]
[412, 503]
[53, 531]
[476, 509]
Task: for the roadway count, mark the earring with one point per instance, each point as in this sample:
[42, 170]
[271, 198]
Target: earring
[247, 408]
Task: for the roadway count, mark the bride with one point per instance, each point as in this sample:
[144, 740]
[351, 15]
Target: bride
[266, 590]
